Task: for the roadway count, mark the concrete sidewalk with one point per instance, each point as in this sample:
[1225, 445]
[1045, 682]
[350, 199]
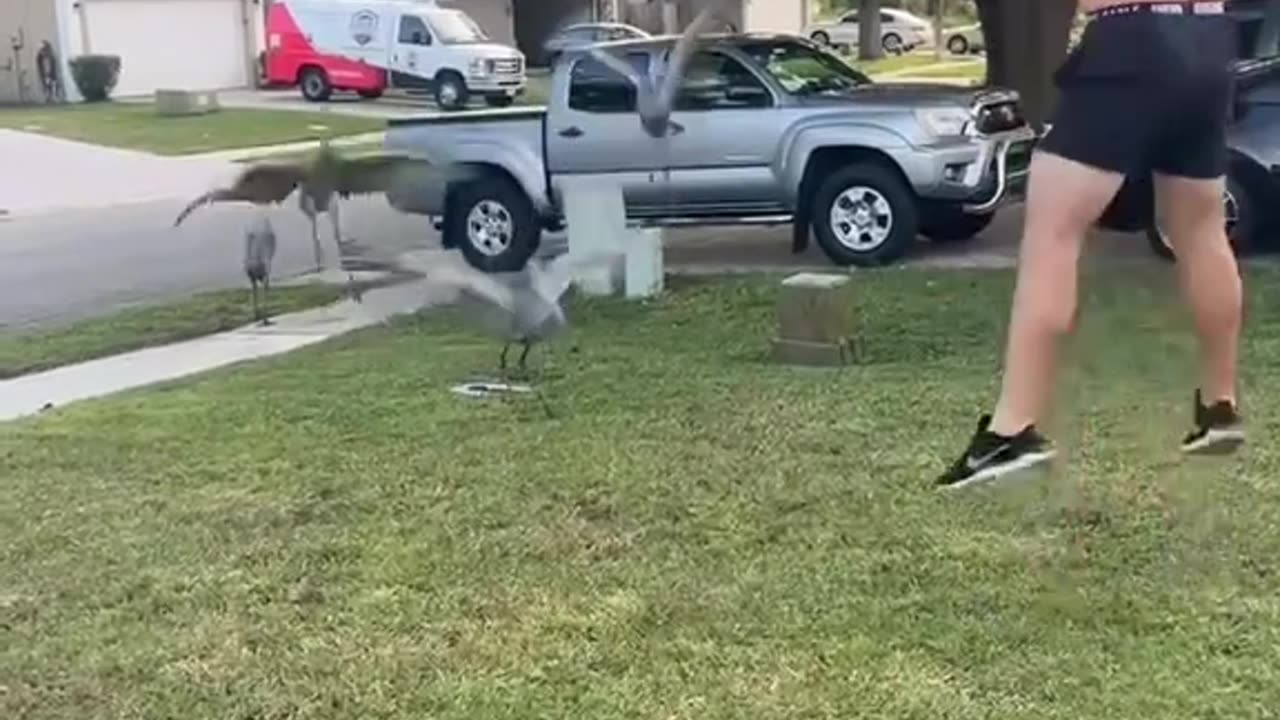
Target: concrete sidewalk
[28, 395]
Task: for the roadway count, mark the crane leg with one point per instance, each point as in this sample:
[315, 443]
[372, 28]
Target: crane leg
[315, 242]
[266, 289]
[253, 299]
[337, 238]
[524, 355]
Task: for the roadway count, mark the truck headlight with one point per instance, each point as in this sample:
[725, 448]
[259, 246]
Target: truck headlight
[479, 68]
[944, 122]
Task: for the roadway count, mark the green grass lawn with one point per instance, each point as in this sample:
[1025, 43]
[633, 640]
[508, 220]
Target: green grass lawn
[697, 534]
[970, 70]
[147, 325]
[136, 126]
[891, 63]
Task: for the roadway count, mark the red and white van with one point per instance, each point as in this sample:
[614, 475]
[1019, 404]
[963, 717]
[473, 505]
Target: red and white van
[370, 46]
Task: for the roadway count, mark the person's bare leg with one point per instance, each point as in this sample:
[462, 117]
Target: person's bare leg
[1192, 214]
[1064, 199]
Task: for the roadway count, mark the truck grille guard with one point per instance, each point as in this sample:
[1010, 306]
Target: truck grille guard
[999, 125]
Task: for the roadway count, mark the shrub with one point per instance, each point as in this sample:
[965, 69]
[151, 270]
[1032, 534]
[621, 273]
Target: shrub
[95, 75]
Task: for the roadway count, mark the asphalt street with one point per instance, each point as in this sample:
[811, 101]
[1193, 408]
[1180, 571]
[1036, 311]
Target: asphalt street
[62, 266]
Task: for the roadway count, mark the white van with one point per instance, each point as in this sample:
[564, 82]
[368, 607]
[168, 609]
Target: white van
[369, 46]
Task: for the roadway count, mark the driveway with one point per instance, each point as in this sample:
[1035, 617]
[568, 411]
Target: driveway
[46, 174]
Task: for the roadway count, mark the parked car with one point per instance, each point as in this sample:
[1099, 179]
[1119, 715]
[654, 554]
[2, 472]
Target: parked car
[327, 45]
[581, 34]
[768, 129]
[900, 31]
[1252, 196]
[965, 39]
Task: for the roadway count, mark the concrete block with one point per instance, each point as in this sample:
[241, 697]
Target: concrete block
[643, 261]
[596, 226]
[178, 103]
[817, 322]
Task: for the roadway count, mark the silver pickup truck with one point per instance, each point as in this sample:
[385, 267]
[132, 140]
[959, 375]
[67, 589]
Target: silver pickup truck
[768, 129]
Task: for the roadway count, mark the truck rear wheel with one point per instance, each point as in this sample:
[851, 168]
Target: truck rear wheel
[493, 223]
[864, 214]
[315, 84]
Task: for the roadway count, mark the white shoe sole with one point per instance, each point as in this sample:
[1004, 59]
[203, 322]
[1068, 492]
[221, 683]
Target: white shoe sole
[1216, 442]
[1026, 462]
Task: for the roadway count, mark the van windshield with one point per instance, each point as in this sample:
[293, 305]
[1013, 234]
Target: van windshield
[455, 27]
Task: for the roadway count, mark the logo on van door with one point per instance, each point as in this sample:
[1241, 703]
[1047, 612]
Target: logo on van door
[363, 26]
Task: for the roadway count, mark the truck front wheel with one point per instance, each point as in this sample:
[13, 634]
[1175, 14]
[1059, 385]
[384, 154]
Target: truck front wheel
[864, 214]
[493, 223]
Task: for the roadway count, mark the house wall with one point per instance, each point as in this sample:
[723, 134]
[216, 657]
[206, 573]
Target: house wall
[30, 22]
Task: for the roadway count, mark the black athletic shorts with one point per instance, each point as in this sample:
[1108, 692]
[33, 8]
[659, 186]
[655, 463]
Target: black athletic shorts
[1147, 91]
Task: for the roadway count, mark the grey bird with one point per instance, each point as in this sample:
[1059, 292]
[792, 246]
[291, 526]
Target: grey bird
[324, 176]
[517, 308]
[259, 251]
[654, 104]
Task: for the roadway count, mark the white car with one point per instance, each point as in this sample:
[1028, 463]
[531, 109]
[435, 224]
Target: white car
[900, 31]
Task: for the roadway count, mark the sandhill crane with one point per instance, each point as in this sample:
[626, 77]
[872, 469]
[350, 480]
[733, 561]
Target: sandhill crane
[259, 251]
[324, 175]
[517, 308]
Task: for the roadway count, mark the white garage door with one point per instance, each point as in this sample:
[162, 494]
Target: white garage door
[180, 44]
[779, 16]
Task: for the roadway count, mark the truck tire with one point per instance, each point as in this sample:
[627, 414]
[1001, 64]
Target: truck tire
[948, 225]
[865, 215]
[315, 84]
[958, 45]
[821, 38]
[493, 223]
[451, 90]
[1241, 208]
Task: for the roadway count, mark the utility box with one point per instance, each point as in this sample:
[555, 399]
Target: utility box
[179, 103]
[817, 321]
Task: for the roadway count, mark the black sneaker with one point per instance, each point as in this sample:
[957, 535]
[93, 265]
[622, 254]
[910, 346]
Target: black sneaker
[1219, 429]
[991, 456]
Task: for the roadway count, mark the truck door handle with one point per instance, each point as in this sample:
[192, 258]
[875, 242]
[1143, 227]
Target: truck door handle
[572, 131]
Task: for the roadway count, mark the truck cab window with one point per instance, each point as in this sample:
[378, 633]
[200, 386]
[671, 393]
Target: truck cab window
[594, 87]
[714, 81]
[413, 31]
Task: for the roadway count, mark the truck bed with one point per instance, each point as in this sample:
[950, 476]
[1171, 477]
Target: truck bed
[511, 138]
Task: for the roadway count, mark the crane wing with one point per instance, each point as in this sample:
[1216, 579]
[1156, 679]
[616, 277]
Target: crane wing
[383, 172]
[620, 66]
[678, 60]
[261, 184]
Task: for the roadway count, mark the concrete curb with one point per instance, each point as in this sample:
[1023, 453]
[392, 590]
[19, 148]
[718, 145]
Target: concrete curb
[236, 154]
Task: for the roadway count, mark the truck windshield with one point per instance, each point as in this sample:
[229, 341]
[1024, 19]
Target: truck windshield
[455, 27]
[802, 70]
